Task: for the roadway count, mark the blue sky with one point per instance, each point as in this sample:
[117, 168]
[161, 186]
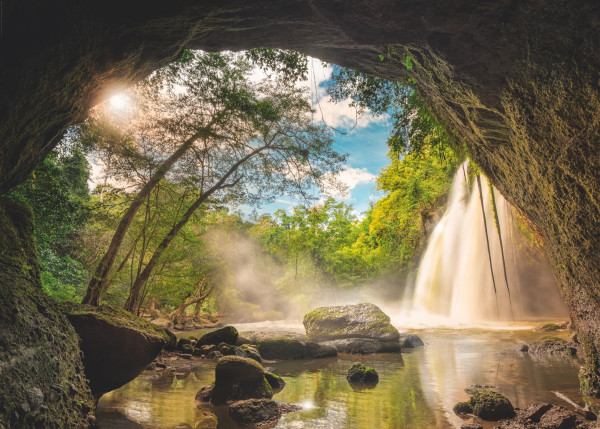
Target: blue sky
[365, 144]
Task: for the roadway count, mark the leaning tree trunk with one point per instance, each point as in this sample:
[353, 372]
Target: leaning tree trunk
[141, 280]
[99, 281]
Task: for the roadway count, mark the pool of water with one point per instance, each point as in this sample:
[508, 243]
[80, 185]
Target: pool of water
[417, 389]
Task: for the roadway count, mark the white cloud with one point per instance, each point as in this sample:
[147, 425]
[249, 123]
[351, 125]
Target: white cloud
[349, 178]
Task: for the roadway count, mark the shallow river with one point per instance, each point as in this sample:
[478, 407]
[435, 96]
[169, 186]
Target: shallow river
[417, 389]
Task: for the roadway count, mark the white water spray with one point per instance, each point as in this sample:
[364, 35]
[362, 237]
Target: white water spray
[454, 280]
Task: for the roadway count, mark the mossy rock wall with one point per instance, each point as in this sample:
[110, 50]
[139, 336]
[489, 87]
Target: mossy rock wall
[517, 83]
[42, 383]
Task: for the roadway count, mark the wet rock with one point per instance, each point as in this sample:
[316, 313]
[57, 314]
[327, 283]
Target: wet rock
[551, 346]
[462, 408]
[550, 327]
[558, 417]
[116, 345]
[548, 416]
[362, 375]
[363, 346]
[411, 341]
[251, 352]
[288, 346]
[237, 378]
[523, 348]
[275, 381]
[349, 321]
[204, 394]
[486, 404]
[534, 412]
[163, 323]
[227, 350]
[215, 354]
[227, 335]
[187, 349]
[254, 411]
[182, 342]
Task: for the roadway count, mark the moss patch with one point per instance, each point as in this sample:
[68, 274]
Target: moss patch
[42, 383]
[486, 404]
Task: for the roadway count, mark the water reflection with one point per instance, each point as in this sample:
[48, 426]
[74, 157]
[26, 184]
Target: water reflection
[416, 389]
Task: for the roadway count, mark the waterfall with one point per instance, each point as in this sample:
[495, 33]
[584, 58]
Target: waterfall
[454, 279]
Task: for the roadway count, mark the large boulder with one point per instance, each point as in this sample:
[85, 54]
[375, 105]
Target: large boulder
[116, 345]
[227, 335]
[288, 346]
[363, 346]
[349, 321]
[236, 378]
[486, 404]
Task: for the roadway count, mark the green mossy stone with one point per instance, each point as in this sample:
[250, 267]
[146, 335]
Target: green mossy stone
[489, 405]
[349, 321]
[227, 335]
[360, 374]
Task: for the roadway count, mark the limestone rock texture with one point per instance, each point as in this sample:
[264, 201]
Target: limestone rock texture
[117, 346]
[42, 383]
[517, 83]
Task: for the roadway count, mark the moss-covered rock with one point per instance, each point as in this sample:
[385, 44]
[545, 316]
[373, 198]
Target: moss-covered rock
[361, 375]
[549, 345]
[276, 382]
[253, 412]
[251, 352]
[227, 335]
[349, 321]
[116, 345]
[486, 404]
[288, 346]
[237, 378]
[42, 384]
[550, 327]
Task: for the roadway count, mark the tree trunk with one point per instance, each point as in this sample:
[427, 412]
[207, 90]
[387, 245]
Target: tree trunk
[98, 283]
[142, 279]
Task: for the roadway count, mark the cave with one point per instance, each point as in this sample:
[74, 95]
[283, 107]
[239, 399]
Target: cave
[518, 83]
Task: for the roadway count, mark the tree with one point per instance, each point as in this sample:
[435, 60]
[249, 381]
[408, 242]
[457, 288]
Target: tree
[58, 195]
[203, 124]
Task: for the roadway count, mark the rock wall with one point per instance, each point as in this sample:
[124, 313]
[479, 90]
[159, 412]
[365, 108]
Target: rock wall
[517, 80]
[41, 373]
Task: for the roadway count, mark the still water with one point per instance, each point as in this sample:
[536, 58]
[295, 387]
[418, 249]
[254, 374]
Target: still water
[417, 389]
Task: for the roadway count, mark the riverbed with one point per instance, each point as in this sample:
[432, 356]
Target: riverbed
[417, 388]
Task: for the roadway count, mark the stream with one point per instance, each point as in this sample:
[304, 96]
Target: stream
[417, 389]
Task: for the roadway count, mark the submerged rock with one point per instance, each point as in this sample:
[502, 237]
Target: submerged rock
[288, 346]
[411, 341]
[117, 346]
[486, 404]
[552, 346]
[254, 411]
[363, 346]
[548, 416]
[227, 335]
[349, 321]
[361, 375]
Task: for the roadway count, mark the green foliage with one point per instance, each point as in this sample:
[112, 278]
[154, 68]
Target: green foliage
[58, 195]
[292, 66]
[414, 127]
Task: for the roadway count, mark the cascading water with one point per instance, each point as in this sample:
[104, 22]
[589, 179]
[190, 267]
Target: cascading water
[454, 280]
